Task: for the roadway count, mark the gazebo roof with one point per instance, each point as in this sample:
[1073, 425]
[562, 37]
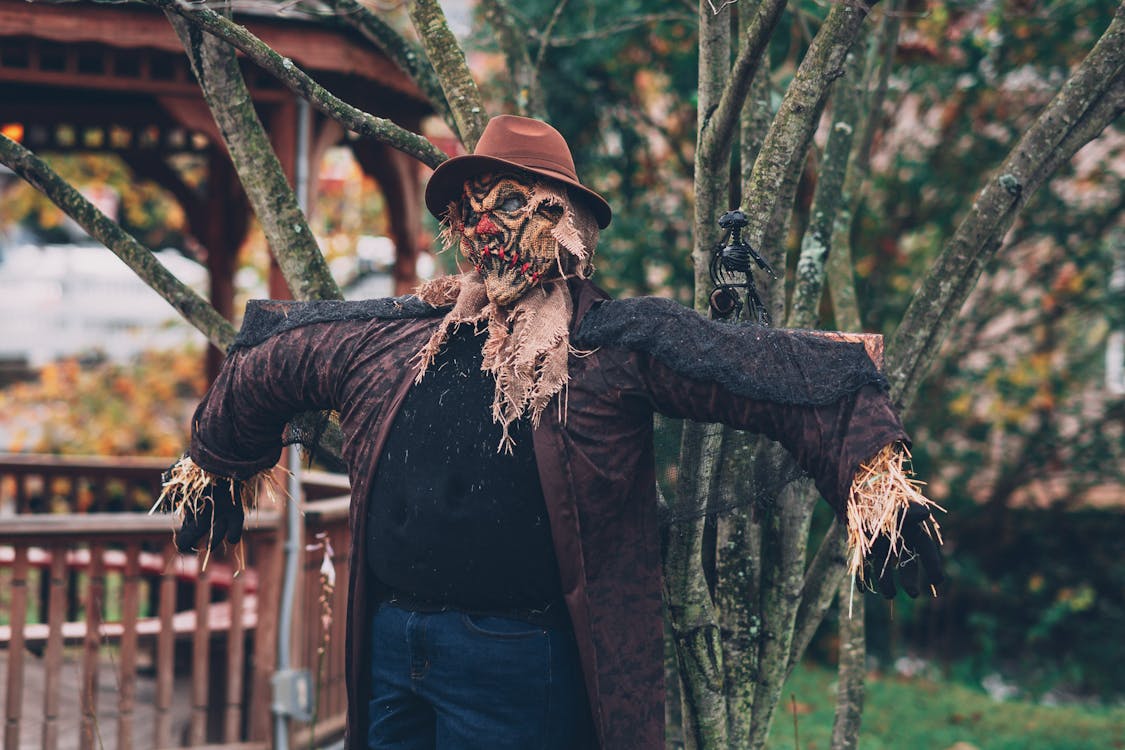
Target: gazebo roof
[114, 77]
[126, 32]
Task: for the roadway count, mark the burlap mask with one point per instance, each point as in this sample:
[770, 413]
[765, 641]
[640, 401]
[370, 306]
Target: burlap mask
[516, 231]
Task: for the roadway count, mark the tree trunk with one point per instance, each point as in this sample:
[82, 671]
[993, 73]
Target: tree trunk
[853, 665]
[692, 614]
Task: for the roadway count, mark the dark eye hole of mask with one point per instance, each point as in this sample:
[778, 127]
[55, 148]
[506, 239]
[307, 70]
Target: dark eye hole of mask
[513, 202]
[471, 217]
[552, 211]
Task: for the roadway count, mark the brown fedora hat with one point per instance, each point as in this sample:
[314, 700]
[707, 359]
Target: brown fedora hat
[509, 141]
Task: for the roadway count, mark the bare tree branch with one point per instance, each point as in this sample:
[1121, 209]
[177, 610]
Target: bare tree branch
[448, 59]
[297, 81]
[545, 37]
[694, 623]
[841, 280]
[785, 535]
[404, 53]
[691, 613]
[612, 29]
[816, 245]
[755, 123]
[773, 181]
[738, 559]
[181, 297]
[527, 96]
[274, 203]
[720, 123]
[1093, 97]
[711, 177]
[821, 581]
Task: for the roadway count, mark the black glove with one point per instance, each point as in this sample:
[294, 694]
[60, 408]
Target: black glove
[215, 515]
[918, 559]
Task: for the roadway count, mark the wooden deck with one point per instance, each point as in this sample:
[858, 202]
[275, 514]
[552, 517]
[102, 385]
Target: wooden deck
[110, 639]
[69, 724]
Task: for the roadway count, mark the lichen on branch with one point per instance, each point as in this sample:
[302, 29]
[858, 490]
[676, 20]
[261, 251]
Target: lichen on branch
[448, 59]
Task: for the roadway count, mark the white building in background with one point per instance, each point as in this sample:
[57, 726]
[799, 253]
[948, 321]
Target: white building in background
[75, 300]
[79, 300]
[1115, 347]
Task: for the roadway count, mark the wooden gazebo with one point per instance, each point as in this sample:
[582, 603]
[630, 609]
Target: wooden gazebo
[83, 76]
[112, 78]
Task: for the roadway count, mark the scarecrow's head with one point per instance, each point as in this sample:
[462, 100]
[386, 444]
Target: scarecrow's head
[518, 230]
[515, 208]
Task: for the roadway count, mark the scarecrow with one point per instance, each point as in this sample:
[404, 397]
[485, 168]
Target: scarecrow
[505, 585]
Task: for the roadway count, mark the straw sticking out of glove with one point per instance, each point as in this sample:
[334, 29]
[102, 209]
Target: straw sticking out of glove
[204, 504]
[881, 494]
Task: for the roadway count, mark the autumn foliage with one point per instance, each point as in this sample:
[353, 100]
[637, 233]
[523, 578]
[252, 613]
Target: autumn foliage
[139, 408]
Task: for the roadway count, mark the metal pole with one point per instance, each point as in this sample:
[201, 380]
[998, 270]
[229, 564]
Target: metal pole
[291, 690]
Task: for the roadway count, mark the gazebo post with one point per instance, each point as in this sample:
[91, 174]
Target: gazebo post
[222, 235]
[282, 127]
[399, 177]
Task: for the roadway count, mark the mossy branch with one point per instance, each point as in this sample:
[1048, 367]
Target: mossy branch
[448, 60]
[692, 616]
[822, 578]
[718, 131]
[785, 535]
[404, 53]
[816, 245]
[297, 81]
[853, 668]
[274, 203]
[194, 308]
[773, 181]
[691, 613]
[738, 559]
[841, 280]
[711, 175]
[1092, 97]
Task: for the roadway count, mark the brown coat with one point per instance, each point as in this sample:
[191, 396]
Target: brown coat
[596, 467]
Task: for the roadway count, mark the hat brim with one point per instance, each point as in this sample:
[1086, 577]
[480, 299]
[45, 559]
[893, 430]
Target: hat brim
[449, 178]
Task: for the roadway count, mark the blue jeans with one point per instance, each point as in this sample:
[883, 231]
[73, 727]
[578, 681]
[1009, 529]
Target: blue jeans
[453, 681]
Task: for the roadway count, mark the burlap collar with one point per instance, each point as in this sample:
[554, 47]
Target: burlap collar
[527, 348]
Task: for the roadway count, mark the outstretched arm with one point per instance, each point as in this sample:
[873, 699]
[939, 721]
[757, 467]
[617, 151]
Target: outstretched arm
[822, 399]
[237, 427]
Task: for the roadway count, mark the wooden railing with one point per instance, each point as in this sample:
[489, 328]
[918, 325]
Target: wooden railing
[101, 603]
[31, 483]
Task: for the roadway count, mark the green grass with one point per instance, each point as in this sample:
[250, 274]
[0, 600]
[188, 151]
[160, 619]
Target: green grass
[921, 714]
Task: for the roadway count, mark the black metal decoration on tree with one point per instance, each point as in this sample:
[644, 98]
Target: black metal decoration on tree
[733, 256]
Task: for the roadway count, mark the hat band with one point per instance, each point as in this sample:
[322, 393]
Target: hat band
[536, 161]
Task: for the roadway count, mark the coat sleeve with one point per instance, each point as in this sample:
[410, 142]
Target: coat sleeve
[820, 397]
[829, 441]
[237, 428]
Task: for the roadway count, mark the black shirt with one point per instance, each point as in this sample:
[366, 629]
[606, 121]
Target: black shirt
[451, 520]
